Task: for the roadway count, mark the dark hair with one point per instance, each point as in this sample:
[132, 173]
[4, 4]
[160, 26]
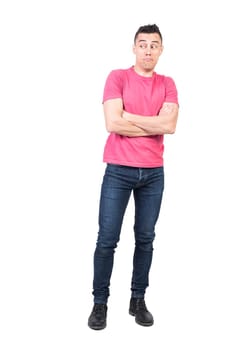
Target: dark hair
[149, 28]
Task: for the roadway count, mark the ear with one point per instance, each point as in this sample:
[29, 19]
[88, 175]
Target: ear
[134, 49]
[161, 49]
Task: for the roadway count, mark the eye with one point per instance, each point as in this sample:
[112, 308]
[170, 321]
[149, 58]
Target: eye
[154, 46]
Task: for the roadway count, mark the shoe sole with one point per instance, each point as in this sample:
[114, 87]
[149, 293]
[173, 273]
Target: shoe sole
[141, 323]
[97, 328]
[144, 324]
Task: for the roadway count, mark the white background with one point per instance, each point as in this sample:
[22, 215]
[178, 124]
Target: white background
[54, 59]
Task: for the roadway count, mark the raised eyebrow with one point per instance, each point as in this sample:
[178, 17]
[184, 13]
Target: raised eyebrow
[153, 41]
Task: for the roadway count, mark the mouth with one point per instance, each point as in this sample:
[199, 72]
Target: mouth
[148, 61]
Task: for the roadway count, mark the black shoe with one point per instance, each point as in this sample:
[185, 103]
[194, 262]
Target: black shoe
[97, 318]
[138, 309]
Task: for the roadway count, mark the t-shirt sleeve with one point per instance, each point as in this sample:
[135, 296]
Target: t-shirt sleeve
[171, 91]
[113, 86]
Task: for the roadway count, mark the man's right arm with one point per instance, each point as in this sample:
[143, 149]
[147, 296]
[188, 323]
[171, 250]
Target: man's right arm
[163, 123]
[113, 110]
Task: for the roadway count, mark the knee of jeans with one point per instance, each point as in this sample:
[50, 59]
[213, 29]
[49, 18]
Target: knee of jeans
[104, 249]
[145, 243]
[146, 247]
[145, 236]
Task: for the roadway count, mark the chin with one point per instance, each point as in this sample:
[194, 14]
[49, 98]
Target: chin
[148, 69]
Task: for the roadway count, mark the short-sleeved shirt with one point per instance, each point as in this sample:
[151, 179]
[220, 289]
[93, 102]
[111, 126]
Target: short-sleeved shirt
[143, 96]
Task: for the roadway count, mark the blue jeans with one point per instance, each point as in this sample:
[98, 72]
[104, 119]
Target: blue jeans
[119, 182]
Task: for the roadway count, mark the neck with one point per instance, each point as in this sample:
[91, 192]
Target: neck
[144, 72]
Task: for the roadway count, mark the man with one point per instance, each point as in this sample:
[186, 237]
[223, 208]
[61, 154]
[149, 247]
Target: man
[140, 106]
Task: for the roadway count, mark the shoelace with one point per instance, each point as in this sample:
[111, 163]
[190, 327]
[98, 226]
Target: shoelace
[99, 309]
[141, 304]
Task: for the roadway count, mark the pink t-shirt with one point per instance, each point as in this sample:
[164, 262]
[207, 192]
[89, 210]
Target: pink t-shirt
[142, 96]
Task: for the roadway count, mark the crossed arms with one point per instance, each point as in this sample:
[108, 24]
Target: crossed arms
[123, 123]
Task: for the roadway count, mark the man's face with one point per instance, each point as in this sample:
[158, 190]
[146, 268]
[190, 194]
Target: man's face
[147, 48]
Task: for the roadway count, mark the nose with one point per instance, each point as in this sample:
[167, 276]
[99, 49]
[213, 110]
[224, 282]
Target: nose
[148, 50]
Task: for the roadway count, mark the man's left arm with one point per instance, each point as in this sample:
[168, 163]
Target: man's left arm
[163, 123]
